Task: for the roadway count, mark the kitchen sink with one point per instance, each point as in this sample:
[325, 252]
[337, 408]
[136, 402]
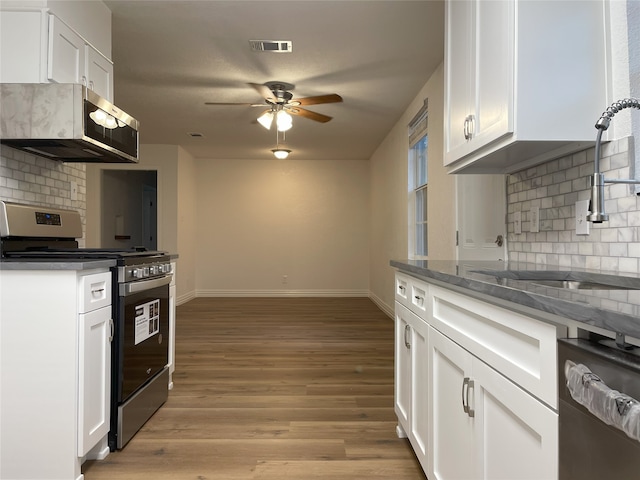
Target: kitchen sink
[579, 285]
[565, 279]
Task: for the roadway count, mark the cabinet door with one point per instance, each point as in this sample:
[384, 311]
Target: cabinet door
[99, 73]
[66, 59]
[516, 435]
[459, 28]
[451, 455]
[493, 72]
[479, 69]
[419, 417]
[403, 367]
[94, 384]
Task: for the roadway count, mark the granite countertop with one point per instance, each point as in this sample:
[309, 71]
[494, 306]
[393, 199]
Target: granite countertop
[615, 310]
[48, 264]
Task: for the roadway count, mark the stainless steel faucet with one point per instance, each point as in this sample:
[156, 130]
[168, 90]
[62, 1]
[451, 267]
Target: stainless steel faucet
[598, 181]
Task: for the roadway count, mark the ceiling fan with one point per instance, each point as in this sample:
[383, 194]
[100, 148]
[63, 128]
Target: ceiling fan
[278, 97]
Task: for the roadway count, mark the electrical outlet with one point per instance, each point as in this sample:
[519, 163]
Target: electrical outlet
[517, 223]
[285, 279]
[534, 219]
[582, 210]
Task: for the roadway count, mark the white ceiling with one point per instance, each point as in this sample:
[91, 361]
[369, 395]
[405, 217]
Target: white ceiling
[172, 56]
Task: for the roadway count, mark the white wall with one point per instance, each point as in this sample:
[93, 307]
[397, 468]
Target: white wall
[389, 187]
[175, 188]
[185, 227]
[259, 220]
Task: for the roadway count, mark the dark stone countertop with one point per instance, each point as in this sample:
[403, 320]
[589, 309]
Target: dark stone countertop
[66, 264]
[614, 310]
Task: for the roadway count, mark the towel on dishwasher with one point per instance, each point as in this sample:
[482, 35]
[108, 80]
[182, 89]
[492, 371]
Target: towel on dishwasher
[610, 406]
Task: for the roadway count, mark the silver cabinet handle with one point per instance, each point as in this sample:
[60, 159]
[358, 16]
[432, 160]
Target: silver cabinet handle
[111, 329]
[407, 335]
[465, 128]
[467, 384]
[472, 126]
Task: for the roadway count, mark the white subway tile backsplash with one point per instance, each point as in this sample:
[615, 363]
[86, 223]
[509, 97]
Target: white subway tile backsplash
[35, 180]
[555, 187]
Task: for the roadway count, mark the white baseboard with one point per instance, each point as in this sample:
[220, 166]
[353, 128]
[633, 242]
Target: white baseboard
[282, 293]
[381, 305]
[287, 293]
[184, 298]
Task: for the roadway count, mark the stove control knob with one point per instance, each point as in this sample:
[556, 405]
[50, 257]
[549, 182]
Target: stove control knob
[136, 273]
[145, 272]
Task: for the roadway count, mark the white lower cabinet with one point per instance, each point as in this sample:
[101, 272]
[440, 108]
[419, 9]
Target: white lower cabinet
[411, 370]
[96, 333]
[55, 333]
[475, 386]
[483, 426]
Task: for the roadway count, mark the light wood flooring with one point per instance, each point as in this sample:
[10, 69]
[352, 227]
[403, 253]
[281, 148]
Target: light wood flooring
[266, 389]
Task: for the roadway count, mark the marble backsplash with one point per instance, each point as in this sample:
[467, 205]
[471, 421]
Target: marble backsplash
[555, 187]
[35, 180]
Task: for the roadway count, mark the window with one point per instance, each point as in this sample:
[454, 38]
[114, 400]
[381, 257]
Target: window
[418, 184]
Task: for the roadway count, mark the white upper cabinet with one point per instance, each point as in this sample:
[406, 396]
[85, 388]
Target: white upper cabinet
[50, 50]
[525, 81]
[66, 55]
[72, 60]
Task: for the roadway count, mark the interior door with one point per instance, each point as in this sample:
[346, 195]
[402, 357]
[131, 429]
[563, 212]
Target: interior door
[481, 217]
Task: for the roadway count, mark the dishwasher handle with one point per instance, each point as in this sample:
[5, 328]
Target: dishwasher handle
[612, 407]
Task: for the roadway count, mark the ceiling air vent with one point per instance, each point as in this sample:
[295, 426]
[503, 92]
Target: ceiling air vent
[279, 46]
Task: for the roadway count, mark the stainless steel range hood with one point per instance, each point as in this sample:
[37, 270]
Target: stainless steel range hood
[66, 122]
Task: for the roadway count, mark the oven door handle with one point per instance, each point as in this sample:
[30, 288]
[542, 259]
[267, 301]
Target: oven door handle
[136, 287]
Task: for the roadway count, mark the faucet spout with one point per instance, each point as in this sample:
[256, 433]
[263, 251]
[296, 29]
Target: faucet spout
[597, 214]
[598, 181]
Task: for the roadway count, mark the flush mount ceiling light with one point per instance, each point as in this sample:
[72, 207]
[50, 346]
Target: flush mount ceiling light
[281, 153]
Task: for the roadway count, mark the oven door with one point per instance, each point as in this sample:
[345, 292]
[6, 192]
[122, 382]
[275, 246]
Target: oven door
[143, 333]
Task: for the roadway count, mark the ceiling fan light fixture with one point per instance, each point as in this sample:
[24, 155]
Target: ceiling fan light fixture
[266, 119]
[284, 121]
[280, 153]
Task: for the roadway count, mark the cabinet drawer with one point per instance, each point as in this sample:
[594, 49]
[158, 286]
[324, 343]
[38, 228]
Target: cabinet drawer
[412, 293]
[94, 291]
[521, 348]
[403, 289]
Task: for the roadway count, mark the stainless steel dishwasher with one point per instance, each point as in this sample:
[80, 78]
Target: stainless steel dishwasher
[598, 380]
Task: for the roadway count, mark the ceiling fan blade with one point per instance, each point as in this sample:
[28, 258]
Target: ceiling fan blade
[330, 98]
[265, 92]
[318, 117]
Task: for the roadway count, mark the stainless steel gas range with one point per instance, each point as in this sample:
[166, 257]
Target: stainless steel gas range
[140, 306]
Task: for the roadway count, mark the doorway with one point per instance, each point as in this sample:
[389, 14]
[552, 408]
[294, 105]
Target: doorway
[481, 217]
[129, 209]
